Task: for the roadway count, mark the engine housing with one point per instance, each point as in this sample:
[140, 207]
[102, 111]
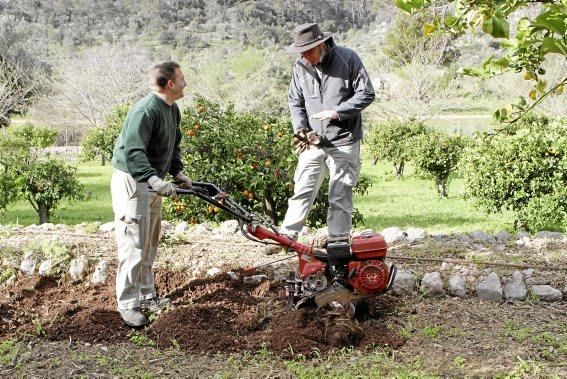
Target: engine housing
[371, 276]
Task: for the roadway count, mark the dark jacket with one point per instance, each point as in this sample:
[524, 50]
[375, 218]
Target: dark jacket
[345, 87]
[149, 141]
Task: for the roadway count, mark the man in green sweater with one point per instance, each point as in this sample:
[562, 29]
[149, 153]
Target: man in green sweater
[145, 152]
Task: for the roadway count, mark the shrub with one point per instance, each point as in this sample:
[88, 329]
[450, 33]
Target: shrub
[393, 141]
[523, 169]
[438, 155]
[23, 174]
[249, 156]
[99, 141]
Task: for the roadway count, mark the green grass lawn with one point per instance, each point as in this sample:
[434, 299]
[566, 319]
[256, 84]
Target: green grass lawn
[414, 202]
[408, 202]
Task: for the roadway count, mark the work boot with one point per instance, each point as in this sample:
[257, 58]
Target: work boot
[155, 304]
[133, 317]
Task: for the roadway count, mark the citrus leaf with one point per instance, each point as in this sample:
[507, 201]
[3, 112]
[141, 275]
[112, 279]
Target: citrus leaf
[429, 29]
[553, 45]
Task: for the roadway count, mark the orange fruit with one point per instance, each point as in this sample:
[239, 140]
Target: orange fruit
[267, 163]
[201, 108]
[190, 133]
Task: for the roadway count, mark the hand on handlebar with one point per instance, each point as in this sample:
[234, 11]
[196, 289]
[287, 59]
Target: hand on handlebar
[162, 187]
[183, 181]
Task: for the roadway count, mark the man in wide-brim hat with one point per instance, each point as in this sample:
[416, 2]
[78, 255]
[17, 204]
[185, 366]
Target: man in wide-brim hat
[328, 91]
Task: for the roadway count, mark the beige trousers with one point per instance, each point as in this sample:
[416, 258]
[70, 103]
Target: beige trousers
[137, 217]
[342, 164]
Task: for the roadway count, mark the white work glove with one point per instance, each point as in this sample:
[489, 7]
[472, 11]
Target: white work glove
[183, 181]
[162, 187]
[326, 115]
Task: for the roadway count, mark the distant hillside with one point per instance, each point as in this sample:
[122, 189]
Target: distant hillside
[188, 24]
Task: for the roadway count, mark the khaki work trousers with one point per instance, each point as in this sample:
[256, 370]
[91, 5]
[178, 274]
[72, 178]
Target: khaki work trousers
[342, 164]
[137, 217]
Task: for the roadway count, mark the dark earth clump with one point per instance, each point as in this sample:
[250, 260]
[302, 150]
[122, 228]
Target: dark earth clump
[207, 315]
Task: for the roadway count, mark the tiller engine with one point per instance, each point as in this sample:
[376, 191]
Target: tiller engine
[341, 271]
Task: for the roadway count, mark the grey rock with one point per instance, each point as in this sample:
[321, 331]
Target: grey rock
[517, 276]
[549, 235]
[490, 288]
[233, 276]
[503, 237]
[200, 229]
[228, 227]
[182, 227]
[78, 268]
[528, 272]
[524, 241]
[213, 271]
[521, 235]
[255, 279]
[100, 274]
[166, 226]
[457, 286]
[432, 284]
[404, 283]
[516, 289]
[46, 268]
[46, 226]
[482, 237]
[500, 248]
[393, 235]
[546, 293]
[446, 266]
[107, 227]
[415, 235]
[27, 267]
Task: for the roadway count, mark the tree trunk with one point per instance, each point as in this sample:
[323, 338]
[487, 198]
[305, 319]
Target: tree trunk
[103, 160]
[43, 212]
[442, 187]
[399, 168]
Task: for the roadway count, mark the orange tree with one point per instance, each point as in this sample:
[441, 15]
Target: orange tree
[250, 156]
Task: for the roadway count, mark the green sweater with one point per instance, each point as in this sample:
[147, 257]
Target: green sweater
[149, 141]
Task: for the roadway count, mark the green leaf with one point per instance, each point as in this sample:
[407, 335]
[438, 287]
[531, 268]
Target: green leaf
[553, 45]
[523, 24]
[540, 87]
[554, 20]
[509, 43]
[428, 29]
[503, 62]
[497, 27]
[409, 5]
[486, 63]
